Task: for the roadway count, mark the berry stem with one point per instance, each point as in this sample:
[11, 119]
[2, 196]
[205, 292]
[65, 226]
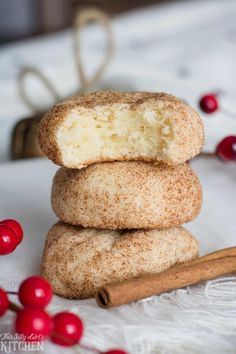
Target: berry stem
[207, 154]
[12, 292]
[14, 307]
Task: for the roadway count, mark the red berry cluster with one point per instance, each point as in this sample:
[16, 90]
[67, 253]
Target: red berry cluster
[35, 324]
[11, 235]
[226, 149]
[35, 293]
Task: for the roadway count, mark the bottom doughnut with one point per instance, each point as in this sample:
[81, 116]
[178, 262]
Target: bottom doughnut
[77, 261]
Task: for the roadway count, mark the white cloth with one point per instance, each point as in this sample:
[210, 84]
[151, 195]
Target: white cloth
[197, 320]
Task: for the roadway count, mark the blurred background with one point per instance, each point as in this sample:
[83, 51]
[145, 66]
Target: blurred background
[34, 17]
[51, 49]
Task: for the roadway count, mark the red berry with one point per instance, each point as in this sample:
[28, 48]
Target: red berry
[208, 103]
[34, 323]
[16, 226]
[4, 302]
[8, 240]
[226, 149]
[35, 291]
[115, 351]
[68, 329]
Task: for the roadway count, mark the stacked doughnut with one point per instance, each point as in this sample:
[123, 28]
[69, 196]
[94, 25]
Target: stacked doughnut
[123, 190]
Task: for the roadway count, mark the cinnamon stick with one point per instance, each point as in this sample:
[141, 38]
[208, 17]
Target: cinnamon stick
[222, 262]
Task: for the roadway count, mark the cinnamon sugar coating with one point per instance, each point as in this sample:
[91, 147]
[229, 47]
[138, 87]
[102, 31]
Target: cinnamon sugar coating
[78, 261]
[185, 125]
[127, 195]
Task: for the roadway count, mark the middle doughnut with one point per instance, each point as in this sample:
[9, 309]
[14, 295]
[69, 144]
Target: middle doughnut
[127, 195]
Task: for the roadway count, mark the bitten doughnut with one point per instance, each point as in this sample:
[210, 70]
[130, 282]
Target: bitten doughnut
[78, 261]
[116, 126]
[126, 195]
